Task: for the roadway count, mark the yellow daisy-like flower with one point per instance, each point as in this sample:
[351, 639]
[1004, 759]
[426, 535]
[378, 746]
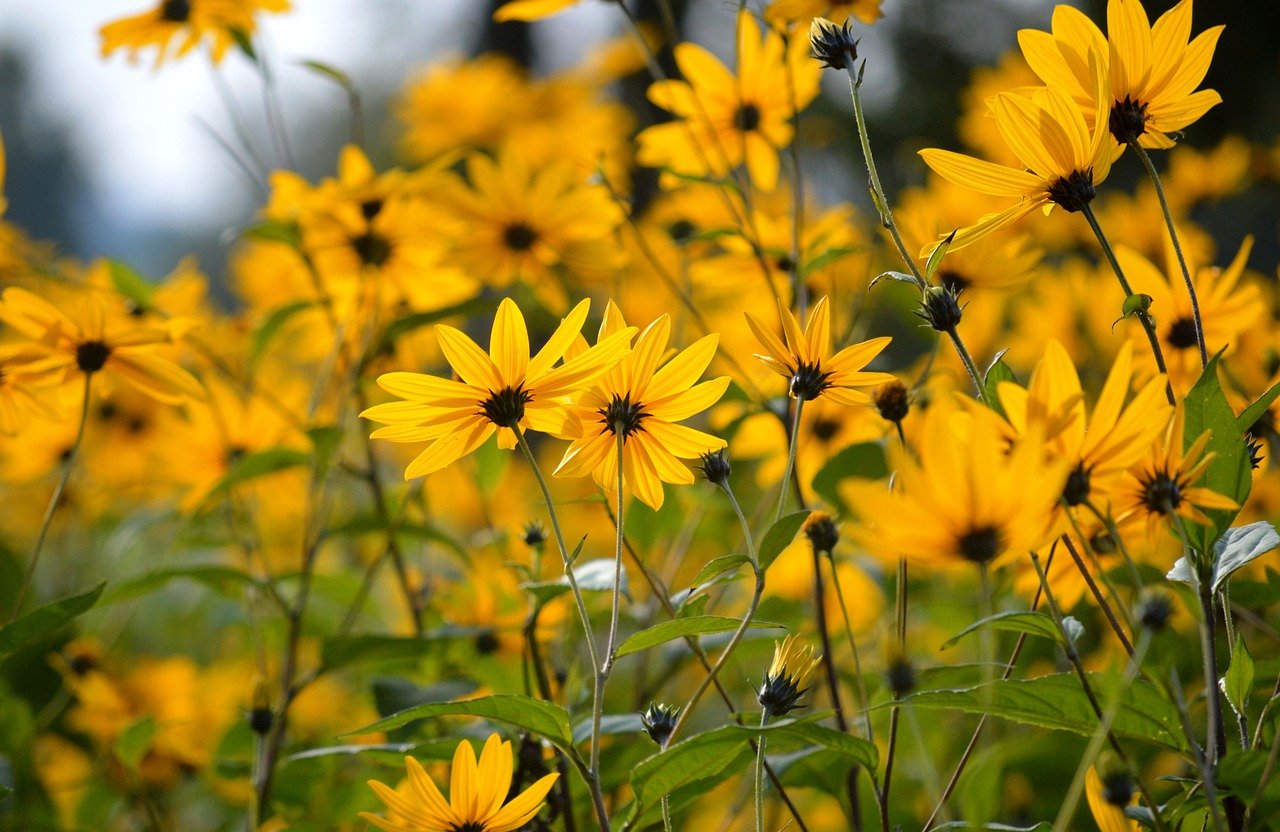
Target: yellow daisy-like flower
[94, 342]
[804, 358]
[1107, 801]
[188, 23]
[1163, 483]
[788, 677]
[498, 391]
[967, 497]
[725, 120]
[1101, 447]
[477, 795]
[1063, 159]
[837, 11]
[1153, 70]
[641, 399]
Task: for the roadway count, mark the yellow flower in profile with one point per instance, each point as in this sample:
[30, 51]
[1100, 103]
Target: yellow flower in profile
[788, 676]
[497, 392]
[1102, 447]
[189, 23]
[477, 795]
[1153, 70]
[804, 358]
[724, 120]
[642, 399]
[94, 342]
[1063, 160]
[1108, 799]
[529, 10]
[838, 11]
[1163, 482]
[966, 497]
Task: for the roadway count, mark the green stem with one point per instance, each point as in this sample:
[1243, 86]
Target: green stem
[861, 686]
[602, 672]
[791, 459]
[54, 500]
[764, 720]
[967, 359]
[1177, 249]
[1148, 325]
[591, 775]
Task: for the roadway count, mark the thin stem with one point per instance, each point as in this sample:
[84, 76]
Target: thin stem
[1143, 317]
[592, 774]
[666, 815]
[67, 465]
[965, 358]
[791, 459]
[1098, 596]
[602, 673]
[861, 686]
[888, 768]
[764, 720]
[1177, 249]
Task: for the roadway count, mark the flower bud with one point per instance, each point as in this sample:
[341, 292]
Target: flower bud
[822, 532]
[659, 721]
[833, 45]
[535, 536]
[716, 468]
[1154, 611]
[892, 401]
[940, 308]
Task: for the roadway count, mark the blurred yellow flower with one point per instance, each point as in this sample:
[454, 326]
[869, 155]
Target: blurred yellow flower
[527, 10]
[1103, 805]
[478, 793]
[189, 23]
[838, 11]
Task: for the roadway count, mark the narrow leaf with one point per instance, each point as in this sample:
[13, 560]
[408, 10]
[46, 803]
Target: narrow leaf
[1030, 623]
[545, 719]
[779, 537]
[681, 627]
[1237, 684]
[1253, 412]
[43, 621]
[935, 257]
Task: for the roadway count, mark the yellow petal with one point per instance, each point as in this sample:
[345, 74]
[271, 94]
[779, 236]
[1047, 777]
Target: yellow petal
[509, 343]
[978, 175]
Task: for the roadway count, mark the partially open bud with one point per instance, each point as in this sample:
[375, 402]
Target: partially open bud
[788, 678]
[659, 721]
[716, 468]
[833, 45]
[940, 308]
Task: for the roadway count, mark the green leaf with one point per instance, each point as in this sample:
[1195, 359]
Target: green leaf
[863, 460]
[996, 373]
[828, 257]
[965, 826]
[223, 580]
[935, 257]
[133, 742]
[1230, 473]
[681, 627]
[719, 566]
[1058, 701]
[325, 440]
[272, 326]
[491, 464]
[275, 231]
[779, 537]
[609, 724]
[241, 37]
[1031, 623]
[259, 464]
[597, 576]
[545, 719]
[1253, 412]
[128, 282]
[43, 621]
[1237, 684]
[901, 277]
[1236, 548]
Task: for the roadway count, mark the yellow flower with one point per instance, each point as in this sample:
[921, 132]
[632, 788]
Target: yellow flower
[93, 342]
[20, 375]
[497, 392]
[189, 22]
[838, 11]
[1063, 160]
[805, 358]
[788, 676]
[641, 399]
[1099, 448]
[967, 498]
[527, 10]
[1153, 70]
[724, 120]
[1164, 481]
[1107, 814]
[477, 795]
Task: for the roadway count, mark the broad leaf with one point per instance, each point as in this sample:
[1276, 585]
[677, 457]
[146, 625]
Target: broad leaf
[779, 537]
[1235, 549]
[1230, 472]
[1030, 623]
[996, 373]
[42, 621]
[597, 576]
[681, 627]
[545, 719]
[1058, 702]
[1237, 684]
[719, 566]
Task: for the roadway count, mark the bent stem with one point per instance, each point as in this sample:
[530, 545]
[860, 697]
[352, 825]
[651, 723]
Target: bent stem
[1177, 249]
[1148, 324]
[67, 465]
[591, 775]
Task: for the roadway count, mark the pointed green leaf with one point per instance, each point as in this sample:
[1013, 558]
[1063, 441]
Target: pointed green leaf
[779, 537]
[1030, 623]
[1237, 684]
[1253, 412]
[133, 742]
[1230, 473]
[935, 257]
[545, 719]
[681, 627]
[43, 621]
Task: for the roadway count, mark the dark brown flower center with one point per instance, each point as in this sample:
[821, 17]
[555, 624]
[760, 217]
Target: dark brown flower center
[824, 430]
[1074, 192]
[370, 208]
[953, 281]
[623, 416]
[1182, 334]
[175, 11]
[981, 544]
[91, 356]
[505, 408]
[372, 248]
[808, 381]
[1076, 491]
[1161, 494]
[519, 237]
[747, 118]
[1128, 120]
